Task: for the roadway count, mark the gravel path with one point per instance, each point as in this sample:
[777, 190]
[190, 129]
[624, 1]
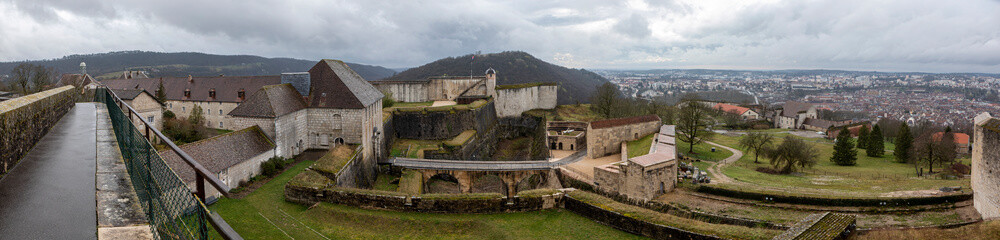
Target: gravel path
[716, 170]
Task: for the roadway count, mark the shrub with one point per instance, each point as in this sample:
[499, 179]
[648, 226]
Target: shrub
[273, 166]
[169, 115]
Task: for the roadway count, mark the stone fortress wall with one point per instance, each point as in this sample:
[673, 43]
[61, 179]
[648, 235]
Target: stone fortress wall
[986, 166]
[605, 141]
[25, 120]
[511, 102]
[435, 88]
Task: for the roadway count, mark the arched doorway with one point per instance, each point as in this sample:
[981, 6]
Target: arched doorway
[442, 183]
[489, 184]
[531, 182]
[571, 147]
[553, 145]
[338, 141]
[560, 146]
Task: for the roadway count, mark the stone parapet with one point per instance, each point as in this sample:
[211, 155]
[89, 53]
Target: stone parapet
[25, 120]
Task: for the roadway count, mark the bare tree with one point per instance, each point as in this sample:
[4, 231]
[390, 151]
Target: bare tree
[41, 77]
[693, 121]
[792, 153]
[756, 142]
[21, 75]
[604, 100]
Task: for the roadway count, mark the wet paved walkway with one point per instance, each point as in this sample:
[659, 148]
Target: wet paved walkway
[50, 193]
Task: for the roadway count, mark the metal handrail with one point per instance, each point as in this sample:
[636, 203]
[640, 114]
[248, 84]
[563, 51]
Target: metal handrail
[202, 174]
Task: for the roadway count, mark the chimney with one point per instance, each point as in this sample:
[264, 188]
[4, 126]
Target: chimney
[190, 79]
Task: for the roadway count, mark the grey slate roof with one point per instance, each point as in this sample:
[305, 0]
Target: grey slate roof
[220, 152]
[335, 85]
[128, 94]
[271, 101]
[227, 88]
[792, 108]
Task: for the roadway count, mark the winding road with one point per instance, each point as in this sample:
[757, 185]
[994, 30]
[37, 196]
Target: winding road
[716, 170]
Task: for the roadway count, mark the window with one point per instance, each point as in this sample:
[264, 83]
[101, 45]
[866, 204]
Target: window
[336, 121]
[183, 109]
[187, 93]
[209, 111]
[211, 93]
[220, 111]
[220, 124]
[150, 118]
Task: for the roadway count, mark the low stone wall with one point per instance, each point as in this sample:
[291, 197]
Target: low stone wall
[847, 202]
[25, 120]
[629, 224]
[444, 203]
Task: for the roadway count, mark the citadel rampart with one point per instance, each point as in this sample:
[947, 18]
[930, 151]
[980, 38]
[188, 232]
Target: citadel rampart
[434, 89]
[437, 123]
[25, 120]
[512, 100]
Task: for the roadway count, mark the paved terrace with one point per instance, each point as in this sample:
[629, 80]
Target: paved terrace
[464, 165]
[50, 193]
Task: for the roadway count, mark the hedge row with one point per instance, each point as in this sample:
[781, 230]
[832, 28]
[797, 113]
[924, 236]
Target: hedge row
[823, 201]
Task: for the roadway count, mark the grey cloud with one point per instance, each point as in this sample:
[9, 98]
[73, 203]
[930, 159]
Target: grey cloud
[921, 35]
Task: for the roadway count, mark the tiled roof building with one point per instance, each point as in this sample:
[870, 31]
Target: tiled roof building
[235, 156]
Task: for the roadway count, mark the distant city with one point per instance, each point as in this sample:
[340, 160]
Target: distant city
[947, 99]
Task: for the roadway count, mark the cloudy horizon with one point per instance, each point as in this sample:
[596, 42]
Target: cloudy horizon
[896, 35]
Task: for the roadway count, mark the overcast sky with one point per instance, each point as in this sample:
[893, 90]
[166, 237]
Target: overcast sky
[892, 35]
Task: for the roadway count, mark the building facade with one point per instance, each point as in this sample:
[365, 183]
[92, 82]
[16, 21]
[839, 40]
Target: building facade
[644, 177]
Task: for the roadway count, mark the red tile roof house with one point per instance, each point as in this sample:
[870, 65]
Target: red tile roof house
[961, 141]
[744, 113]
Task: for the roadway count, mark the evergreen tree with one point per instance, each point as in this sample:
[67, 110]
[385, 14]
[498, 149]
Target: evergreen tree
[161, 93]
[904, 143]
[863, 137]
[876, 144]
[844, 153]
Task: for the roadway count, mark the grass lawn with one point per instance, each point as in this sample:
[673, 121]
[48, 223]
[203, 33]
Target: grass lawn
[703, 151]
[572, 112]
[641, 146]
[336, 159]
[264, 214]
[416, 147]
[984, 230]
[384, 182]
[870, 175]
[412, 104]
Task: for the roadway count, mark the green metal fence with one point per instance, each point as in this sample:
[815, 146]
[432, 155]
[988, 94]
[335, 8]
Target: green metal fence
[174, 212]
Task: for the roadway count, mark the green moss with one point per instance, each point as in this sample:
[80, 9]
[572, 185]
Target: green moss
[538, 192]
[461, 139]
[310, 179]
[640, 146]
[643, 214]
[336, 159]
[411, 182]
[460, 196]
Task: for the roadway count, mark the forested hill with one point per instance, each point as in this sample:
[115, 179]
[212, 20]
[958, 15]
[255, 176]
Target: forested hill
[106, 65]
[513, 68]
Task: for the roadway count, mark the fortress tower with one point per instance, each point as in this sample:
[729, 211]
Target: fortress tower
[986, 166]
[491, 82]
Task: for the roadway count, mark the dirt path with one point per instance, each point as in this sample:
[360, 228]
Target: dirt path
[716, 169]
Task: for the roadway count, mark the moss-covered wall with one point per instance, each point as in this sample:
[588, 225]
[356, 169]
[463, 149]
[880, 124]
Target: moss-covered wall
[439, 203]
[25, 120]
[439, 123]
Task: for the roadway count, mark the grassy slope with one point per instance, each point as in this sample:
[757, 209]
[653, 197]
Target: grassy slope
[416, 147]
[983, 230]
[870, 175]
[247, 216]
[573, 112]
[725, 231]
[641, 146]
[703, 151]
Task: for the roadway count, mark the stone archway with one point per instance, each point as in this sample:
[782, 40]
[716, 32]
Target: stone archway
[533, 181]
[489, 183]
[560, 146]
[442, 183]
